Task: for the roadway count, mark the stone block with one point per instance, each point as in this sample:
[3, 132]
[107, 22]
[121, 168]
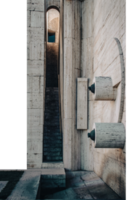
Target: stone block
[36, 84]
[35, 100]
[36, 5]
[35, 49]
[35, 117]
[35, 68]
[35, 34]
[37, 19]
[104, 89]
[34, 160]
[34, 146]
[109, 135]
[34, 132]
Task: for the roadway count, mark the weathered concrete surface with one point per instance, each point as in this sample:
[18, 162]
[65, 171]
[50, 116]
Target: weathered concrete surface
[109, 135]
[35, 81]
[82, 91]
[71, 142]
[104, 89]
[109, 23]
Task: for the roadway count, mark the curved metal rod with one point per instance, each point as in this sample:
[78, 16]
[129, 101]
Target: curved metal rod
[122, 80]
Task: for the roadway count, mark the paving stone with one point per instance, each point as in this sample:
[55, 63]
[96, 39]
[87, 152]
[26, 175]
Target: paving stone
[89, 176]
[75, 182]
[103, 192]
[2, 185]
[27, 187]
[83, 193]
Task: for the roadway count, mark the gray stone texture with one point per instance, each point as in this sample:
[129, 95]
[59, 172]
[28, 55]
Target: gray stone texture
[82, 100]
[87, 186]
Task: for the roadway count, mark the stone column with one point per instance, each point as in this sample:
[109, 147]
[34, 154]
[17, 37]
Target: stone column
[35, 88]
[87, 72]
[71, 136]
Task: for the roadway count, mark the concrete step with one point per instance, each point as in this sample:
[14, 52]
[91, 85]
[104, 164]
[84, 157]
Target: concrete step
[53, 178]
[53, 158]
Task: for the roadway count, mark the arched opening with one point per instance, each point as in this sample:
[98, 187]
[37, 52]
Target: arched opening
[52, 138]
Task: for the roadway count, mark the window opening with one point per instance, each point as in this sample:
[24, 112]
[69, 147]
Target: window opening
[51, 37]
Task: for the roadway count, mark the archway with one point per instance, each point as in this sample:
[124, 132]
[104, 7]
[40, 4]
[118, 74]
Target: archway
[52, 138]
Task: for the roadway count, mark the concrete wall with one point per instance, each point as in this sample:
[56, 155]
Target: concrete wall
[35, 79]
[102, 21]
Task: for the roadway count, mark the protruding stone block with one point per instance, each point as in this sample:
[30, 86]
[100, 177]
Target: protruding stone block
[104, 89]
[82, 103]
[109, 135]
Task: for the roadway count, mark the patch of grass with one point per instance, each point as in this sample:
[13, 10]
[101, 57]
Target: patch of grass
[12, 177]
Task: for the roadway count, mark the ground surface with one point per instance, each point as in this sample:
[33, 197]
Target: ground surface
[79, 185]
[12, 177]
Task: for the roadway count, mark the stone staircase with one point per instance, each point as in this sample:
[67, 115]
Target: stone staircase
[52, 143]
